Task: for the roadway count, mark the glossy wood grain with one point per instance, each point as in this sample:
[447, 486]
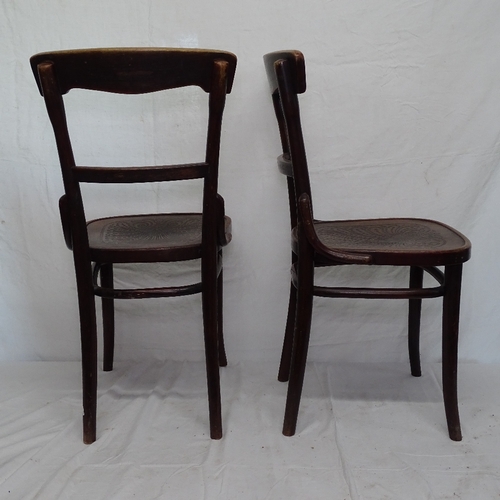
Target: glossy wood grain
[166, 237]
[419, 244]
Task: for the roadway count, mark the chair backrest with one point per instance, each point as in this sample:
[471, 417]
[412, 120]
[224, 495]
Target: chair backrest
[133, 71]
[287, 78]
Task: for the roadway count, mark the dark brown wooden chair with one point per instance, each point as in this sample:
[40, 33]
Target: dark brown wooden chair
[419, 244]
[98, 244]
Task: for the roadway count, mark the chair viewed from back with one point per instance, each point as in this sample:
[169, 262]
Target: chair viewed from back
[171, 237]
[419, 244]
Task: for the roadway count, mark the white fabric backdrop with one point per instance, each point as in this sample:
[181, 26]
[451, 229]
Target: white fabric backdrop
[402, 118]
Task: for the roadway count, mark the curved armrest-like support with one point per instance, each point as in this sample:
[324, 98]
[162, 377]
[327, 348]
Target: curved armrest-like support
[65, 221]
[224, 235]
[285, 165]
[307, 221]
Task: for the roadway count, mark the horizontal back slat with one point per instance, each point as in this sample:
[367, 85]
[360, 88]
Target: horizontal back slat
[125, 175]
[133, 70]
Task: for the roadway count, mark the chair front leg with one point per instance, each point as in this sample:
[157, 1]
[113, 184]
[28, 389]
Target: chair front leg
[305, 284]
[209, 298]
[108, 319]
[414, 314]
[451, 313]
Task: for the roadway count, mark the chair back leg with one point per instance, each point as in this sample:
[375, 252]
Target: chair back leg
[220, 330]
[88, 333]
[305, 285]
[209, 298]
[286, 353]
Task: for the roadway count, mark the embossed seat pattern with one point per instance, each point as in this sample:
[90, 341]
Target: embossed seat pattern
[410, 235]
[146, 231]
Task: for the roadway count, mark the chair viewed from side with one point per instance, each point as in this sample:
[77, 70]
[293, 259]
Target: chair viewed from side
[421, 245]
[158, 237]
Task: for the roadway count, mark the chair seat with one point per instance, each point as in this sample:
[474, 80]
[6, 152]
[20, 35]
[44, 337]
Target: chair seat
[396, 241]
[149, 238]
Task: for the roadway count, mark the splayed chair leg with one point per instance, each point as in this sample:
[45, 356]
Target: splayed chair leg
[88, 331]
[451, 312]
[220, 332]
[301, 339]
[414, 314]
[108, 318]
[286, 353]
[210, 312]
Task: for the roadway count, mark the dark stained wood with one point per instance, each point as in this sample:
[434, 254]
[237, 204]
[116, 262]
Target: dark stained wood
[414, 315]
[419, 244]
[65, 220]
[302, 331]
[451, 313]
[134, 70]
[296, 68]
[140, 238]
[286, 353]
[140, 174]
[222, 347]
[108, 318]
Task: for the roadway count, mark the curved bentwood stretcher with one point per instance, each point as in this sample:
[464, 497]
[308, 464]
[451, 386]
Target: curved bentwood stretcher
[422, 245]
[99, 244]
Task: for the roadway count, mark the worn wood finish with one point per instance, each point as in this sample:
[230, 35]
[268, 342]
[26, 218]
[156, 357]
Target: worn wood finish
[222, 347]
[108, 318]
[286, 353]
[414, 315]
[451, 312]
[134, 70]
[140, 238]
[417, 243]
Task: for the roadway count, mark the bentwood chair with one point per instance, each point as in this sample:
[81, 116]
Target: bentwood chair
[419, 244]
[165, 237]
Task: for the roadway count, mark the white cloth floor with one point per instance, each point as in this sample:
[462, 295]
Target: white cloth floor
[365, 431]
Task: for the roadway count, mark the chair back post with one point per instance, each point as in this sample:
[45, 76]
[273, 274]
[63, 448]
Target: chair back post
[286, 155]
[278, 110]
[291, 113]
[217, 99]
[132, 71]
[72, 210]
[286, 76]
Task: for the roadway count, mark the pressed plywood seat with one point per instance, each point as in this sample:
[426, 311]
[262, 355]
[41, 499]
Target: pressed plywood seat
[385, 240]
[420, 244]
[165, 237]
